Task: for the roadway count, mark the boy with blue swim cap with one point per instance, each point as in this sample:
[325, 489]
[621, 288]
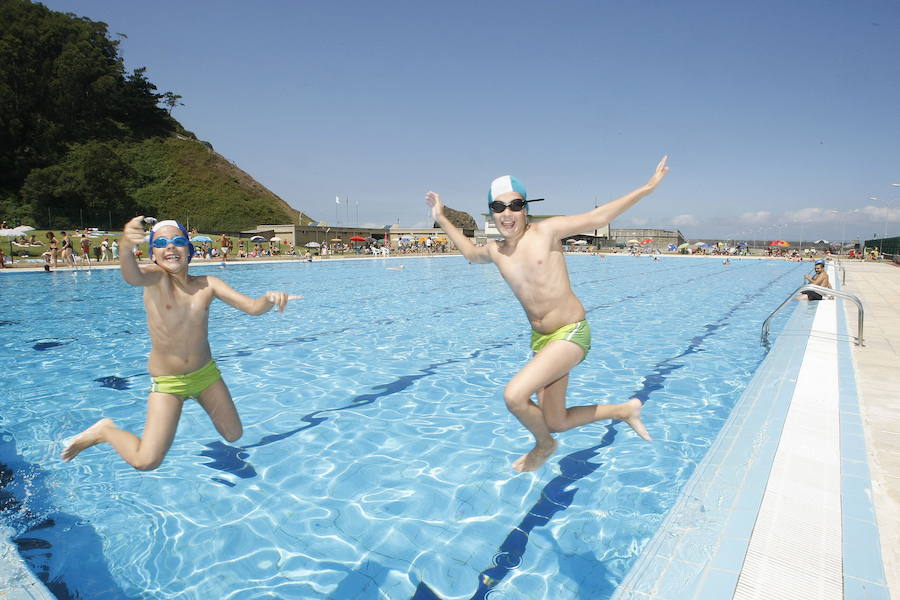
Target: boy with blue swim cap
[180, 363]
[530, 259]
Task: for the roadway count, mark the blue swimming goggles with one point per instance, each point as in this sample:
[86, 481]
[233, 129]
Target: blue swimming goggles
[178, 240]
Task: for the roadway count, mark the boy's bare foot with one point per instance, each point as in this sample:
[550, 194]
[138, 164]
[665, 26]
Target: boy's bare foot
[633, 418]
[84, 440]
[534, 459]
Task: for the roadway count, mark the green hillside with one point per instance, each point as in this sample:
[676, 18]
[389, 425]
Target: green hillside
[83, 142]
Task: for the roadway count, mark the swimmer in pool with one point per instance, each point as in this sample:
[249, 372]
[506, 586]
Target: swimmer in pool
[530, 259]
[180, 363]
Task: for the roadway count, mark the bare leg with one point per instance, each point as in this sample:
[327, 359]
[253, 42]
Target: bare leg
[547, 375]
[559, 418]
[163, 412]
[216, 401]
[549, 365]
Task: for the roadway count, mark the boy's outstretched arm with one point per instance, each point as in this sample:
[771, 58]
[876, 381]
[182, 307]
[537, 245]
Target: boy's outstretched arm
[600, 216]
[251, 306]
[473, 253]
[132, 236]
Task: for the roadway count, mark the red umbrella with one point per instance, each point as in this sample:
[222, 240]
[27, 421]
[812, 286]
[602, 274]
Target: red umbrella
[647, 241]
[779, 243]
[357, 238]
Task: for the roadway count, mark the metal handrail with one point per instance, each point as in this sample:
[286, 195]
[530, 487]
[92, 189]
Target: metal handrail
[824, 292]
[838, 265]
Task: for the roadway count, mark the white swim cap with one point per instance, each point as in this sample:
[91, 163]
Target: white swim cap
[504, 185]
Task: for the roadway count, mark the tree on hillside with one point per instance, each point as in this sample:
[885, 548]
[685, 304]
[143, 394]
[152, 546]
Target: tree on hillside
[89, 185]
[61, 82]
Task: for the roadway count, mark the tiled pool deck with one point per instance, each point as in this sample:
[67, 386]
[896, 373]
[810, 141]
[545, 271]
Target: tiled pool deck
[785, 505]
[799, 496]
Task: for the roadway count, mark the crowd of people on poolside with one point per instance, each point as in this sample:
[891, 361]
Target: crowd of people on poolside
[80, 248]
[63, 249]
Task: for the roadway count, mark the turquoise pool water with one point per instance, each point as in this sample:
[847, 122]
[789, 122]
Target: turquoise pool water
[375, 462]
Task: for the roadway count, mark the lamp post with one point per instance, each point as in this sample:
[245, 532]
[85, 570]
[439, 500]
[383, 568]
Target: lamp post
[837, 212]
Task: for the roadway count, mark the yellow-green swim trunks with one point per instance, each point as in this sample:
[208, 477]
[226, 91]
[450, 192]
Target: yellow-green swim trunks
[579, 333]
[188, 385]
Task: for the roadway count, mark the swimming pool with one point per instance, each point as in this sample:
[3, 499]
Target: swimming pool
[376, 456]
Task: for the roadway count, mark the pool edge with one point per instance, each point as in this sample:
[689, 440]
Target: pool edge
[714, 520]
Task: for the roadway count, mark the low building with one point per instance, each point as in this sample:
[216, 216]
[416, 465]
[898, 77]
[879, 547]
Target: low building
[659, 238]
[327, 235]
[603, 237]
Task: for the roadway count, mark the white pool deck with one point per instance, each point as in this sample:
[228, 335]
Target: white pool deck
[799, 496]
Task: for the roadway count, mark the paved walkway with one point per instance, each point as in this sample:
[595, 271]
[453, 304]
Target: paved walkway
[878, 384]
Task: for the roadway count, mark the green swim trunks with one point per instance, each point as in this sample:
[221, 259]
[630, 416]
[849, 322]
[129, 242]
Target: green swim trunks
[579, 333]
[188, 385]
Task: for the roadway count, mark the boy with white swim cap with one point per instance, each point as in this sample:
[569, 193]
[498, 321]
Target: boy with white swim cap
[180, 363]
[530, 259]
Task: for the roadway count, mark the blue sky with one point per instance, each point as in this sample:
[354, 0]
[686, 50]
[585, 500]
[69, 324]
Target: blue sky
[780, 118]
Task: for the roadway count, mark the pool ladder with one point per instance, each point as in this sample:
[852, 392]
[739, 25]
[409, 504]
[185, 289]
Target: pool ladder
[824, 292]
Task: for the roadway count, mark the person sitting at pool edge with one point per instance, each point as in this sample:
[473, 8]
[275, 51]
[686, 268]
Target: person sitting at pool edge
[821, 279]
[530, 259]
[180, 362]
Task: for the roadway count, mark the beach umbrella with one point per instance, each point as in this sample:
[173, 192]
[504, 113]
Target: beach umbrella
[312, 244]
[201, 238]
[699, 244]
[275, 239]
[781, 243]
[684, 245]
[630, 242]
[580, 242]
[357, 238]
[571, 241]
[335, 239]
[647, 241]
[257, 238]
[670, 247]
[405, 238]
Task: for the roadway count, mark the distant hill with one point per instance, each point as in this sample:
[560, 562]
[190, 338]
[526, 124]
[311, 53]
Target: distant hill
[82, 141]
[461, 219]
[185, 179]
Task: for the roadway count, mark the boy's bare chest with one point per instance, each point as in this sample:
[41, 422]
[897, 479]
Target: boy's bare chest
[174, 304]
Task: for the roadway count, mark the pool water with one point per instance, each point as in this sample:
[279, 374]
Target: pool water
[375, 461]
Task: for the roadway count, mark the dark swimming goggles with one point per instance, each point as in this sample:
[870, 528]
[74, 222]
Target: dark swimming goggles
[178, 240]
[515, 206]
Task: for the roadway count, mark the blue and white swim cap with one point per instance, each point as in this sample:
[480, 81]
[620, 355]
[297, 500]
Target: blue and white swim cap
[171, 223]
[504, 185]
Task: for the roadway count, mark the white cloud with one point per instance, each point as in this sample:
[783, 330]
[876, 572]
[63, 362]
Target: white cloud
[881, 214]
[685, 221]
[755, 218]
[877, 214]
[807, 215]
